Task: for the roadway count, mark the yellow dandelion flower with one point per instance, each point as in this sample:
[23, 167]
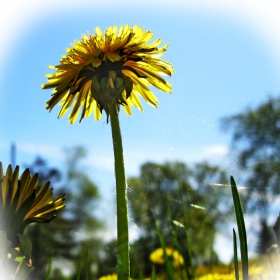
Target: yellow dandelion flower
[21, 203]
[177, 259]
[82, 79]
[158, 256]
[217, 276]
[110, 277]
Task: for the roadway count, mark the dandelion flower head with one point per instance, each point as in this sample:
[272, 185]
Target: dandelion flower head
[124, 55]
[22, 202]
[158, 256]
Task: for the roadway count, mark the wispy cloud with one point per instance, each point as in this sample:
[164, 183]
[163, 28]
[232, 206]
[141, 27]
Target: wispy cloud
[103, 158]
[100, 161]
[43, 149]
[135, 157]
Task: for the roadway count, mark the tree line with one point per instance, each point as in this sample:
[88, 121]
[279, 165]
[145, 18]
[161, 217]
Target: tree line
[197, 197]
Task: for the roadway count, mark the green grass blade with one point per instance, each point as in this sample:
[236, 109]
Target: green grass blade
[48, 277]
[188, 261]
[154, 274]
[169, 268]
[80, 268]
[235, 256]
[241, 229]
[87, 264]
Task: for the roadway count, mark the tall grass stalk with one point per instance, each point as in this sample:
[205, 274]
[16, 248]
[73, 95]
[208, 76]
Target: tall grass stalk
[168, 264]
[235, 256]
[188, 263]
[241, 231]
[80, 268]
[175, 242]
[153, 277]
[49, 271]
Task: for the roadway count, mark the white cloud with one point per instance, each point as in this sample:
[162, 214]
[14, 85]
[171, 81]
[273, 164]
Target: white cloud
[104, 160]
[134, 158]
[100, 161]
[211, 152]
[43, 149]
[5, 146]
[223, 246]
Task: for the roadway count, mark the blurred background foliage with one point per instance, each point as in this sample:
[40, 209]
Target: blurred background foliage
[196, 196]
[67, 235]
[175, 192]
[255, 139]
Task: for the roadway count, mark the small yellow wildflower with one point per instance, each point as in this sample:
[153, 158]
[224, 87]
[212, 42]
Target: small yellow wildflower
[217, 276]
[109, 277]
[158, 257]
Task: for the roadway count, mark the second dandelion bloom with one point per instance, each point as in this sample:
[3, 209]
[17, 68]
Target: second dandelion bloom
[22, 202]
[158, 256]
[117, 66]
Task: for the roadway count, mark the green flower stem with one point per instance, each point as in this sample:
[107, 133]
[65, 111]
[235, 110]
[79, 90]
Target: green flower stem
[121, 187]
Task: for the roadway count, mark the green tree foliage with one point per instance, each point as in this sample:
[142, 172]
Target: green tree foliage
[276, 230]
[266, 239]
[175, 192]
[82, 196]
[256, 141]
[108, 262]
[66, 236]
[48, 237]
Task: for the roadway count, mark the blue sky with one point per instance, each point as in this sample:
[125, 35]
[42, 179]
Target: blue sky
[226, 57]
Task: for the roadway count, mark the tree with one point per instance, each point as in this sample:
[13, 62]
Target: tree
[66, 236]
[266, 239]
[256, 141]
[276, 230]
[175, 192]
[108, 263]
[46, 238]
